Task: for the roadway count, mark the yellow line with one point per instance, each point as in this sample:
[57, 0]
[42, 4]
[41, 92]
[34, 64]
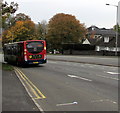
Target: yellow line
[37, 96]
[31, 85]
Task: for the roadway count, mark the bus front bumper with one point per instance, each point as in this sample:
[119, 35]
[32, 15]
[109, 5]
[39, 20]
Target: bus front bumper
[42, 61]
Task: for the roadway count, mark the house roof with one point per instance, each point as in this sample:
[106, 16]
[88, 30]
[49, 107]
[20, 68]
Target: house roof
[105, 32]
[92, 41]
[101, 31]
[111, 43]
[86, 41]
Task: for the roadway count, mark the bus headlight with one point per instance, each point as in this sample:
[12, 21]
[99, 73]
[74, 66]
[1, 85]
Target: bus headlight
[30, 56]
[25, 58]
[45, 57]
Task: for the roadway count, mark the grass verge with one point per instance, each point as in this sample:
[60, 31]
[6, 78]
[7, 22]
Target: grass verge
[7, 67]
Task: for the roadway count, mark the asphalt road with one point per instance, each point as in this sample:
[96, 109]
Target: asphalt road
[70, 86]
[99, 60]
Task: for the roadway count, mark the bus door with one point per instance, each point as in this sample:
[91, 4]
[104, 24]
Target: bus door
[20, 52]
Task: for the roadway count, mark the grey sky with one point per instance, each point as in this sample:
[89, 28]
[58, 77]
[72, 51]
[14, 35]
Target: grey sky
[90, 12]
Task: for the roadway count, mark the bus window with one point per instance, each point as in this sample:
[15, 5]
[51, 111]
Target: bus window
[9, 51]
[35, 47]
[15, 50]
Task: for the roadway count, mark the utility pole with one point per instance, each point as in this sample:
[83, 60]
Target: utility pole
[116, 41]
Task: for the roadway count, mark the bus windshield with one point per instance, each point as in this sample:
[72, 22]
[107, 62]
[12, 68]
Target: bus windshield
[35, 47]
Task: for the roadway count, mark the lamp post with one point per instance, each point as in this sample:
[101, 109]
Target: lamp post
[116, 42]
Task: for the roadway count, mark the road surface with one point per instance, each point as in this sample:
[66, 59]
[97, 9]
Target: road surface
[70, 86]
[99, 60]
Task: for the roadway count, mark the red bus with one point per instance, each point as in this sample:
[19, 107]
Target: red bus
[26, 52]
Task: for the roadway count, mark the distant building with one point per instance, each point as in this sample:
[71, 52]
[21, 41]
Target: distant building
[98, 41]
[104, 40]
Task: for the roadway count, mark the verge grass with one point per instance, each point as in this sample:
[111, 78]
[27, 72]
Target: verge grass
[7, 67]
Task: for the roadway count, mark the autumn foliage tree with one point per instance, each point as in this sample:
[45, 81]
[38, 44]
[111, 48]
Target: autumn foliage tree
[21, 17]
[64, 28]
[22, 30]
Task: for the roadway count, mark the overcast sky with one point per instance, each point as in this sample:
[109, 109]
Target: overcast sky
[90, 12]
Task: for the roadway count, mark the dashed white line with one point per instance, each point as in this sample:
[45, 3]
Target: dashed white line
[113, 73]
[73, 76]
[65, 104]
[104, 100]
[107, 77]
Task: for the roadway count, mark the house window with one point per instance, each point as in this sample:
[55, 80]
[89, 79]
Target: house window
[106, 39]
[97, 48]
[93, 28]
[107, 48]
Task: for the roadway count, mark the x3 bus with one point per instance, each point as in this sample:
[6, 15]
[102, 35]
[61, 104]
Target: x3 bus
[25, 52]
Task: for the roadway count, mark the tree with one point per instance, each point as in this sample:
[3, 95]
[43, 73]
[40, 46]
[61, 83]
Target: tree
[7, 11]
[42, 29]
[22, 17]
[64, 28]
[114, 27]
[19, 17]
[22, 30]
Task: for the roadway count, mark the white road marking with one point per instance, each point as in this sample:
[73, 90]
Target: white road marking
[107, 77]
[104, 100]
[65, 104]
[73, 76]
[113, 73]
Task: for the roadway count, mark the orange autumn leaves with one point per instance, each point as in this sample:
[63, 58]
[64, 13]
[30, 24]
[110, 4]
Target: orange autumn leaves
[22, 30]
[62, 28]
[65, 28]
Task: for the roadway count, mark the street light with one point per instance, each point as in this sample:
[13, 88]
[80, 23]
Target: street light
[116, 42]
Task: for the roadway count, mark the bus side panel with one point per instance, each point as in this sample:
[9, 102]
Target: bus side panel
[20, 55]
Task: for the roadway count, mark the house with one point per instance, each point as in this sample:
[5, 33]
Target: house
[98, 41]
[104, 40]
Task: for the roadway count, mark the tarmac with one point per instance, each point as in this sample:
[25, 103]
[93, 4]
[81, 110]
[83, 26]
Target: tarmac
[15, 99]
[14, 95]
[85, 59]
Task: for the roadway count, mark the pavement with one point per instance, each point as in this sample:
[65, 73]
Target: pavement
[14, 96]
